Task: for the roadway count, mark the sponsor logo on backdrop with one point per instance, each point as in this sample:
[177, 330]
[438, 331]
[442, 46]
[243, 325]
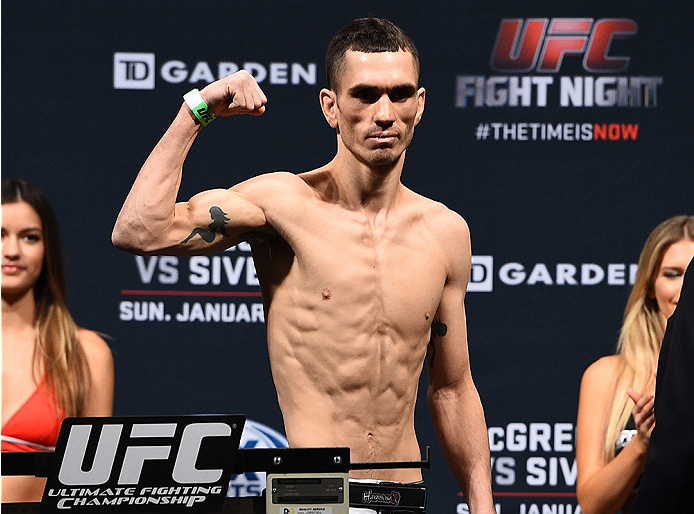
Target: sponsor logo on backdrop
[533, 468]
[220, 288]
[133, 70]
[483, 274]
[255, 435]
[140, 71]
[528, 57]
[224, 288]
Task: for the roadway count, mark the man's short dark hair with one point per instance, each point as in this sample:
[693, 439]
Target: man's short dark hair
[368, 35]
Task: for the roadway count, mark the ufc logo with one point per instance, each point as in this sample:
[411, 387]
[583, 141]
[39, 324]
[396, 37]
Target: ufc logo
[541, 44]
[181, 465]
[205, 114]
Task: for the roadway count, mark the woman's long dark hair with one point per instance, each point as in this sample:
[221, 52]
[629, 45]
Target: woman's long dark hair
[57, 353]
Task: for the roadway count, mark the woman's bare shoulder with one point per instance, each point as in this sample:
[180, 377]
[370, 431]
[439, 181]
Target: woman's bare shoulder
[95, 348]
[603, 371]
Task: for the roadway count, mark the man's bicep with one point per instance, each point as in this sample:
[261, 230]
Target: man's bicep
[447, 355]
[214, 220]
[448, 350]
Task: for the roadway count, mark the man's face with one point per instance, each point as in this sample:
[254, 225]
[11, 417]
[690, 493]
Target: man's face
[377, 106]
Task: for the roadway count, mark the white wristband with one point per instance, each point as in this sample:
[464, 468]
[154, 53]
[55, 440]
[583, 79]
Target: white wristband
[195, 103]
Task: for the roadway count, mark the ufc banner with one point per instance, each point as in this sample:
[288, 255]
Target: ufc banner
[149, 464]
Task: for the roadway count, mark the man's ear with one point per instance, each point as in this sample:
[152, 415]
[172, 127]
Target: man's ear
[421, 96]
[328, 102]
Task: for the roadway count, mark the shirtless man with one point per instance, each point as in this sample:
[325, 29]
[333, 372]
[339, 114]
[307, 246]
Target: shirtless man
[361, 277]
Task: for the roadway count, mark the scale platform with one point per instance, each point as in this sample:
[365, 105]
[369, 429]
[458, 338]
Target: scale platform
[184, 463]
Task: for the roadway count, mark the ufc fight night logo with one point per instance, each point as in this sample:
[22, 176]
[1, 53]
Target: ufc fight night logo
[541, 44]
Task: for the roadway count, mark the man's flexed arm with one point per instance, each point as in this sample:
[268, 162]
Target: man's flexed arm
[151, 221]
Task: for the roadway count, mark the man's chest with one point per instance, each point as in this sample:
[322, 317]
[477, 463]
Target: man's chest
[394, 267]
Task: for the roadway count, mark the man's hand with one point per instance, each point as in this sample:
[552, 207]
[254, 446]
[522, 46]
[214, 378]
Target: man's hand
[238, 93]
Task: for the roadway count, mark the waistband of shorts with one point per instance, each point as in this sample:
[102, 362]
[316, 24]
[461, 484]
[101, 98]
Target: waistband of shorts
[378, 494]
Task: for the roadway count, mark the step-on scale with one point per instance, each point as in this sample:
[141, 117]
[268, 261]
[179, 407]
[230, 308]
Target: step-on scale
[184, 464]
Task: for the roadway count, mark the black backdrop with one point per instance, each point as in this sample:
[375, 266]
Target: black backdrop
[559, 198]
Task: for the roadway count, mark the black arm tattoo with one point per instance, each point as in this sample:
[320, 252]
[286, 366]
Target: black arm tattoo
[219, 221]
[438, 329]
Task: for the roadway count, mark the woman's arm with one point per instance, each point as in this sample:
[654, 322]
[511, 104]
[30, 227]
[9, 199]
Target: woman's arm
[603, 488]
[99, 399]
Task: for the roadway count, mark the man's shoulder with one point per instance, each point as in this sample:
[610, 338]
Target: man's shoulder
[280, 178]
[448, 231]
[440, 215]
[268, 186]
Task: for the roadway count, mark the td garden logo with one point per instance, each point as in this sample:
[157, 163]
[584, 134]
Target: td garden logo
[139, 70]
[133, 70]
[484, 273]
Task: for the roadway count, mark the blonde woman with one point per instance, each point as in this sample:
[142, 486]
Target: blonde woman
[615, 410]
[51, 368]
